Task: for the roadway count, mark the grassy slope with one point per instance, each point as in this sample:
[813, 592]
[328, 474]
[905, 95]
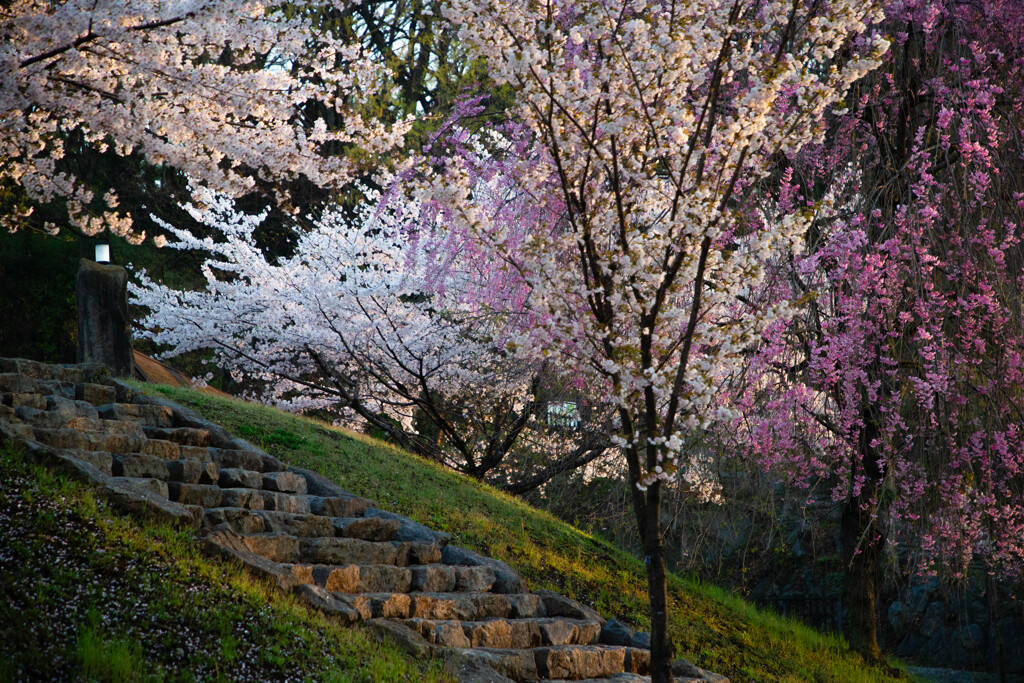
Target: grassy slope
[86, 594]
[713, 629]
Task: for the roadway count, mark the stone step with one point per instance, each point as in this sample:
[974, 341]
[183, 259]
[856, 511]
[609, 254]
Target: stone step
[185, 436]
[256, 500]
[101, 460]
[72, 374]
[239, 520]
[568, 662]
[145, 483]
[242, 459]
[284, 482]
[355, 578]
[70, 407]
[243, 521]
[170, 450]
[95, 394]
[90, 441]
[366, 528]
[382, 578]
[192, 471]
[140, 465]
[203, 495]
[291, 548]
[19, 399]
[237, 478]
[22, 384]
[44, 419]
[276, 547]
[15, 383]
[226, 495]
[445, 606]
[342, 551]
[506, 633]
[146, 415]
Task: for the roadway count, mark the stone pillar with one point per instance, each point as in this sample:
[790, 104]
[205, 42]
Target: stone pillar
[104, 328]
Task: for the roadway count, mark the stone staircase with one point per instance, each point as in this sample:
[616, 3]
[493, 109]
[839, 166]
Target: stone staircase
[337, 551]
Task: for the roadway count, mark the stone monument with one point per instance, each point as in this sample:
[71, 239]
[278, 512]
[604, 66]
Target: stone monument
[104, 327]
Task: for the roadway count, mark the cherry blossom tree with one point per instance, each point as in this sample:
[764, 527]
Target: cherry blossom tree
[215, 89]
[645, 126]
[897, 389]
[385, 319]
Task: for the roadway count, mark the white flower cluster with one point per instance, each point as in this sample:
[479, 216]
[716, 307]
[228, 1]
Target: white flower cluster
[382, 302]
[144, 76]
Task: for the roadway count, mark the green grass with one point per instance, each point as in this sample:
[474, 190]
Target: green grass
[86, 594]
[714, 629]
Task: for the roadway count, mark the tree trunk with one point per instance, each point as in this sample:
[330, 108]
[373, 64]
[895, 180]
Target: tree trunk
[861, 579]
[657, 587]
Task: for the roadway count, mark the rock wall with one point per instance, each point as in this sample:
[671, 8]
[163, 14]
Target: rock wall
[958, 628]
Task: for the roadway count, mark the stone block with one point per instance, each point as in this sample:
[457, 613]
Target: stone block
[127, 496]
[285, 502]
[560, 632]
[297, 524]
[185, 436]
[524, 605]
[228, 458]
[195, 494]
[473, 579]
[99, 459]
[376, 578]
[23, 400]
[192, 472]
[276, 547]
[349, 609]
[63, 438]
[637, 661]
[338, 507]
[366, 528]
[614, 632]
[226, 543]
[95, 394]
[14, 383]
[70, 408]
[239, 520]
[168, 450]
[249, 499]
[433, 578]
[285, 482]
[579, 661]
[232, 477]
[154, 486]
[141, 465]
[560, 606]
[506, 580]
[501, 633]
[498, 666]
[157, 416]
[341, 551]
[410, 530]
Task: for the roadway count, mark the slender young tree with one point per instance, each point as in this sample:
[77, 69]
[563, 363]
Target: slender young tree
[644, 126]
